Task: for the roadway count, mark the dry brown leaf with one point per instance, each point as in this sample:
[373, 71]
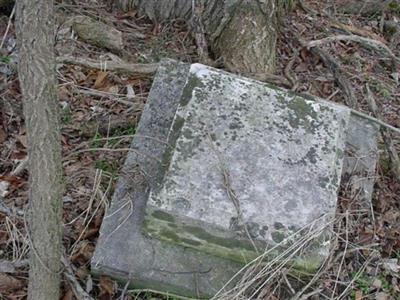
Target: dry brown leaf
[9, 283]
[106, 288]
[130, 14]
[14, 182]
[358, 295]
[100, 80]
[3, 135]
[84, 253]
[90, 232]
[69, 295]
[82, 272]
[23, 140]
[113, 89]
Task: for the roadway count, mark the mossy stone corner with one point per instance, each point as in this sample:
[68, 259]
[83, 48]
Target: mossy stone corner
[224, 168]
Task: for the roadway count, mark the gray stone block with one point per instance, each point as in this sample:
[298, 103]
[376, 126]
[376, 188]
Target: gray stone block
[283, 154]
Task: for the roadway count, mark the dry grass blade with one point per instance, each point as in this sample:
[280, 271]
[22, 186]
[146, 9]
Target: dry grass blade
[18, 240]
[253, 277]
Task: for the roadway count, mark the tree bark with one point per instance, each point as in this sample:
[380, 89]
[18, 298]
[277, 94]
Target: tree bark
[36, 69]
[242, 33]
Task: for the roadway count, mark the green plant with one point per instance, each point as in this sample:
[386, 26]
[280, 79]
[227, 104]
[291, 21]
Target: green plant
[107, 167]
[363, 282]
[96, 141]
[5, 59]
[66, 115]
[130, 130]
[386, 285]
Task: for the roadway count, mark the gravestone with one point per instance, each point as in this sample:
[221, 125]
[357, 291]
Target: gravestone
[223, 169]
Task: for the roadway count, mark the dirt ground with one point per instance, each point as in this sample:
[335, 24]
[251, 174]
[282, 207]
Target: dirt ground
[100, 110]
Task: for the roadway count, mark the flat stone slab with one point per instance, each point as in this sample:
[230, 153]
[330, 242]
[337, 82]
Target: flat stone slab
[246, 163]
[170, 224]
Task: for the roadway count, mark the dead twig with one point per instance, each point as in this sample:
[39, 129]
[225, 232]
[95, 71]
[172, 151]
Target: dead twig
[387, 137]
[354, 30]
[79, 292]
[376, 121]
[8, 27]
[366, 42]
[96, 93]
[288, 73]
[23, 164]
[145, 69]
[336, 70]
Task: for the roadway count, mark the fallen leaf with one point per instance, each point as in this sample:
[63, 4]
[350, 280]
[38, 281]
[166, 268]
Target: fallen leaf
[3, 135]
[9, 283]
[69, 295]
[106, 288]
[358, 295]
[23, 140]
[84, 253]
[100, 80]
[10, 181]
[90, 233]
[82, 272]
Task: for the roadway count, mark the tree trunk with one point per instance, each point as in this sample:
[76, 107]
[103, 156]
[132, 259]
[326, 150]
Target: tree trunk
[36, 69]
[242, 33]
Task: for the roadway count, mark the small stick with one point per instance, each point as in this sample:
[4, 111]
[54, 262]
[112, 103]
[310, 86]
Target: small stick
[145, 69]
[336, 70]
[375, 120]
[370, 43]
[79, 292]
[8, 27]
[20, 167]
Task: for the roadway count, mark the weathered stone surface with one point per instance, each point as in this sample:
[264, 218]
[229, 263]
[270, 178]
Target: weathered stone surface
[360, 160]
[123, 251]
[127, 252]
[282, 153]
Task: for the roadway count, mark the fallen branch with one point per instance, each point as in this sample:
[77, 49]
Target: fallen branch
[356, 31]
[146, 69]
[366, 42]
[387, 138]
[336, 70]
[79, 292]
[375, 120]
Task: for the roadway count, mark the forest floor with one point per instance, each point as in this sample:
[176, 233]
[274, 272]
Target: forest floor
[100, 110]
